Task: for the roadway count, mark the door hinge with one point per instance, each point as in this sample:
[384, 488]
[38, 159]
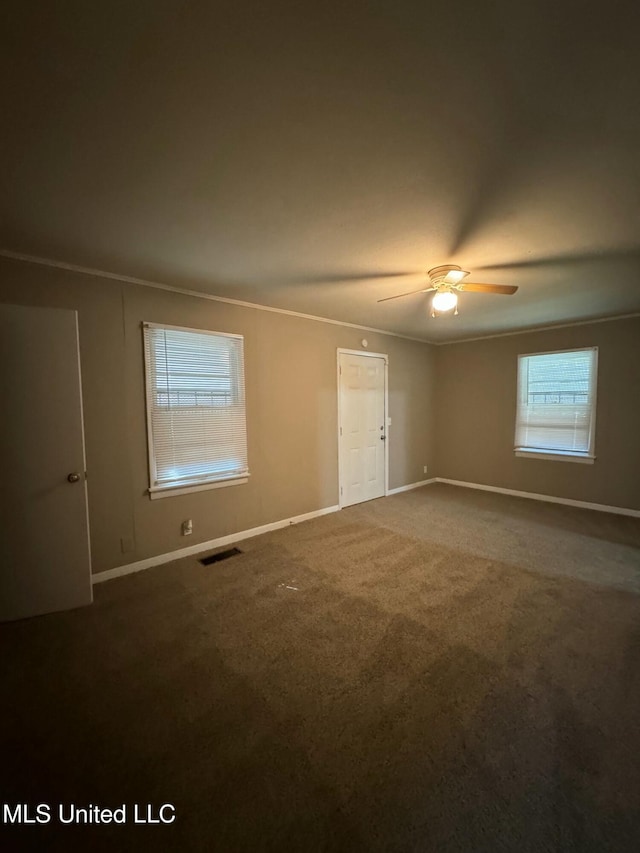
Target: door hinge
[340, 430]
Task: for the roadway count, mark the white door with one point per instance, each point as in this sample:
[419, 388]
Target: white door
[362, 427]
[44, 531]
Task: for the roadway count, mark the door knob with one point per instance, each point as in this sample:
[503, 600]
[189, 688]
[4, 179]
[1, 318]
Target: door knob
[73, 478]
[382, 437]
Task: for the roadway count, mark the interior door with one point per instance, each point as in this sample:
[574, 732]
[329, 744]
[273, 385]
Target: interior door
[44, 531]
[362, 427]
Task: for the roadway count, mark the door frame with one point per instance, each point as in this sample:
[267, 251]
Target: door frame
[387, 421]
[84, 453]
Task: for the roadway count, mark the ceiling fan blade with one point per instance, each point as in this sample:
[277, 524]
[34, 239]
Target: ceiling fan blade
[342, 277]
[410, 293]
[454, 276]
[603, 256]
[505, 289]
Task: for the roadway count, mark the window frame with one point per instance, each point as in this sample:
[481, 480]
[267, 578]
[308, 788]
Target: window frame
[585, 457]
[182, 488]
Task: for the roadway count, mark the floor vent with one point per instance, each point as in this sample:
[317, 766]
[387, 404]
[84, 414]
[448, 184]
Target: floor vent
[221, 555]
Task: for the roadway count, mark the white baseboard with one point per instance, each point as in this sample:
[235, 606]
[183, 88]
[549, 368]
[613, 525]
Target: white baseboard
[617, 510]
[130, 568]
[158, 560]
[411, 486]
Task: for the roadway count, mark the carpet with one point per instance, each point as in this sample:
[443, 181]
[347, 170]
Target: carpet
[441, 670]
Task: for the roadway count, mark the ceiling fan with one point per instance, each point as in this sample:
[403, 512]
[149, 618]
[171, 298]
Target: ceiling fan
[447, 282]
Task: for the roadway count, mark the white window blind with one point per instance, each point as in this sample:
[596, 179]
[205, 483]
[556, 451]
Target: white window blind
[195, 407]
[556, 402]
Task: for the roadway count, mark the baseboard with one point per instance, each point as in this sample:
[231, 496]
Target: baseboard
[158, 560]
[141, 565]
[616, 510]
[410, 486]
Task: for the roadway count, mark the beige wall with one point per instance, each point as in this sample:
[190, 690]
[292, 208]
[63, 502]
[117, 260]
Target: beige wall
[460, 426]
[290, 366]
[476, 405]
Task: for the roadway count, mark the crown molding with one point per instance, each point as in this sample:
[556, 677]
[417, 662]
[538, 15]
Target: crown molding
[141, 282]
[126, 279]
[533, 329]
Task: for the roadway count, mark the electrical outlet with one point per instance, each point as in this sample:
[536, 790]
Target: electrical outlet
[187, 527]
[425, 470]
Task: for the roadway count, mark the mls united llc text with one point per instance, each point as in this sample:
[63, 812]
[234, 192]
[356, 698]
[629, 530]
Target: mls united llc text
[42, 813]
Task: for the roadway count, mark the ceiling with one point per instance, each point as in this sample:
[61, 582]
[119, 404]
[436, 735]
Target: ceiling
[318, 157]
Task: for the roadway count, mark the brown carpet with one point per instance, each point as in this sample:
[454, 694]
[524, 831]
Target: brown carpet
[452, 671]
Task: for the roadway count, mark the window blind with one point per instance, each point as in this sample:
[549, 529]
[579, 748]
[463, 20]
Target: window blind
[195, 406]
[556, 402]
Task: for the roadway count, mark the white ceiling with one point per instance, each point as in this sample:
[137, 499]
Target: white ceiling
[296, 154]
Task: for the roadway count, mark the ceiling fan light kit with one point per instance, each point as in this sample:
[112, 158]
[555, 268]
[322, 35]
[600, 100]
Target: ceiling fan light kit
[444, 300]
[445, 280]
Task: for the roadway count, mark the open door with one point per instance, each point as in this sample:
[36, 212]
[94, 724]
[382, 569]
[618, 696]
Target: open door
[44, 529]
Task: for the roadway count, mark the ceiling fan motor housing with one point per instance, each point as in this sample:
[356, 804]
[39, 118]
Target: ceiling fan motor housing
[440, 272]
[449, 275]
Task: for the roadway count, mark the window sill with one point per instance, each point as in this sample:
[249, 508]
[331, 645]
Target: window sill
[156, 492]
[556, 456]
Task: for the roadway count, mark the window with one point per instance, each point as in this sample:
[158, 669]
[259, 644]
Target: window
[555, 415]
[196, 417]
